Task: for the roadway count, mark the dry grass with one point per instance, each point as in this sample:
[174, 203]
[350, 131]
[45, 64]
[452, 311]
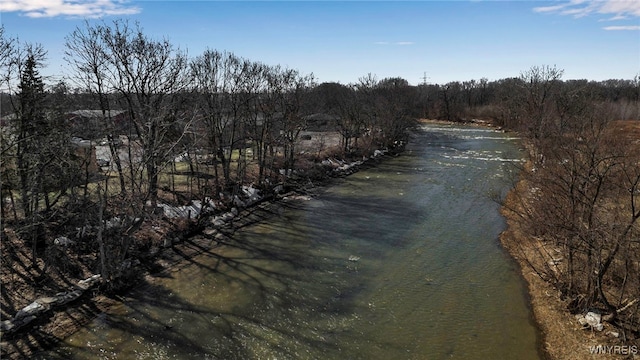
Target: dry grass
[627, 132]
[563, 337]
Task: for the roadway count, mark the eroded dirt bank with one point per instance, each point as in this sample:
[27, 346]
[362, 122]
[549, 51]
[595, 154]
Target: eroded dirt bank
[563, 338]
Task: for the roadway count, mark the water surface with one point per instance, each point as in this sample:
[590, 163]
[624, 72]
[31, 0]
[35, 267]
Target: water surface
[401, 261]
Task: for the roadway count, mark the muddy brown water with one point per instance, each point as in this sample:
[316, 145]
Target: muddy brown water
[401, 261]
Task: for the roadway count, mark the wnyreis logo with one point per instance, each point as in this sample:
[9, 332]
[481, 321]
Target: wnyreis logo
[614, 349]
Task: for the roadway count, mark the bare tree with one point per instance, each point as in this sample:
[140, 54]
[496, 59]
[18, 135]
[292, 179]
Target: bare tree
[263, 114]
[219, 82]
[349, 113]
[210, 87]
[539, 85]
[394, 99]
[451, 96]
[146, 73]
[87, 53]
[294, 101]
[583, 211]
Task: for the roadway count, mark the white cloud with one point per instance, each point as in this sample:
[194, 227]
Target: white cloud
[71, 8]
[553, 8]
[615, 10]
[624, 27]
[580, 8]
[620, 7]
[616, 17]
[399, 43]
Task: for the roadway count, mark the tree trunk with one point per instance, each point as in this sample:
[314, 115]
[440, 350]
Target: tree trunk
[103, 264]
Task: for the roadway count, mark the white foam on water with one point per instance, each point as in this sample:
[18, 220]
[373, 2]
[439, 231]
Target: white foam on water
[470, 156]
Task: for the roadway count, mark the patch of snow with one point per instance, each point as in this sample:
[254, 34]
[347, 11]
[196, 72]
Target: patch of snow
[188, 211]
[63, 241]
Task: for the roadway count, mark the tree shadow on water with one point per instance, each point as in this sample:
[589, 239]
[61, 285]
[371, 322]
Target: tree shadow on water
[277, 290]
[158, 320]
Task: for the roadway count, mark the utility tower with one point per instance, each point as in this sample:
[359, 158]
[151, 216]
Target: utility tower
[425, 95]
[424, 79]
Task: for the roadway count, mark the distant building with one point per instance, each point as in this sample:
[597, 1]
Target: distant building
[85, 152]
[320, 122]
[92, 124]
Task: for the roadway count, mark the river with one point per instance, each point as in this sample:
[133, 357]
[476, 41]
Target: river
[399, 261]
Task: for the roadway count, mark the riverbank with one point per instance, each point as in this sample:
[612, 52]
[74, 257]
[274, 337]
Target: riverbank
[371, 268]
[563, 338]
[51, 329]
[68, 321]
[55, 324]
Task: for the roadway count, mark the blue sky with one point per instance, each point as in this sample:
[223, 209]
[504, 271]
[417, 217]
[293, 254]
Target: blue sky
[344, 40]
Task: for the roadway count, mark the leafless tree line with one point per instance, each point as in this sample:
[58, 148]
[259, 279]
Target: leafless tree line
[579, 209]
[217, 120]
[502, 100]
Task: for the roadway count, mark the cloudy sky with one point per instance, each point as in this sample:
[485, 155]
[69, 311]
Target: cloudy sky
[344, 40]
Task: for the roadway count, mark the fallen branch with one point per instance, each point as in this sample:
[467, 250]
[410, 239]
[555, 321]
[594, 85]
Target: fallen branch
[630, 304]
